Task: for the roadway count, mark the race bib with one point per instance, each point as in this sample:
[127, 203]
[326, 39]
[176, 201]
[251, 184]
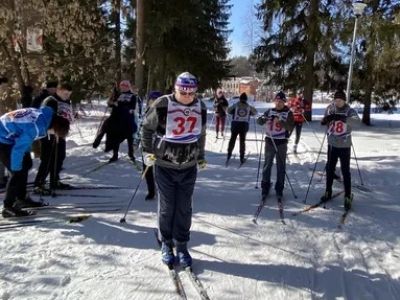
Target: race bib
[25, 115]
[274, 129]
[242, 114]
[183, 123]
[65, 111]
[337, 128]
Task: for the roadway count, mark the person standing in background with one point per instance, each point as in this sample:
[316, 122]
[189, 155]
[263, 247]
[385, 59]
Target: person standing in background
[220, 107]
[241, 113]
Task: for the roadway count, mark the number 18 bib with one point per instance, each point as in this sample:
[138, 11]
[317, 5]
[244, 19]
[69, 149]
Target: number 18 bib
[183, 123]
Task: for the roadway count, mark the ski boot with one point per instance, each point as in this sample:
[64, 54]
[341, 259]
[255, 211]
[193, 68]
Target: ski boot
[167, 253]
[62, 186]
[347, 202]
[228, 158]
[264, 190]
[11, 212]
[326, 197]
[28, 202]
[113, 158]
[41, 190]
[150, 196]
[185, 260]
[295, 148]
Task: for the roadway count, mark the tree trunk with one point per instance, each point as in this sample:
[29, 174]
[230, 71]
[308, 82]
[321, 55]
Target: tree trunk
[312, 30]
[139, 68]
[117, 37]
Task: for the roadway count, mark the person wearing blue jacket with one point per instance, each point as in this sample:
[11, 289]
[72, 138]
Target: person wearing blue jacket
[18, 130]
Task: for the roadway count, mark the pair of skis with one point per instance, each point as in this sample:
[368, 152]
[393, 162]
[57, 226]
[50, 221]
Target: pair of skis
[174, 273]
[343, 217]
[179, 288]
[32, 220]
[46, 214]
[261, 206]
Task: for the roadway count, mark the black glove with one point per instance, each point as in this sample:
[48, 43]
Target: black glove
[338, 117]
[327, 119]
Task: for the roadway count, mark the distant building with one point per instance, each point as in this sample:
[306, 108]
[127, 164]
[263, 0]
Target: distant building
[236, 85]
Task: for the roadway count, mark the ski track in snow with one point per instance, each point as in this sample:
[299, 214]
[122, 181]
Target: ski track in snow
[308, 258]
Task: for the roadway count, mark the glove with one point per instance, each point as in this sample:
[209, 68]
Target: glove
[202, 164]
[327, 119]
[149, 159]
[273, 114]
[282, 117]
[261, 120]
[339, 117]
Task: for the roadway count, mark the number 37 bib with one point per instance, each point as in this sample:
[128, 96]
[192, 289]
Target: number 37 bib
[183, 123]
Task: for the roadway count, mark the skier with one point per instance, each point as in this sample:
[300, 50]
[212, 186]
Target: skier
[177, 123]
[220, 107]
[104, 124]
[50, 90]
[241, 112]
[298, 105]
[18, 130]
[53, 148]
[340, 118]
[279, 125]
[121, 122]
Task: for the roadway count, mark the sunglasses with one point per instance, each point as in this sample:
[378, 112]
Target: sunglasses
[187, 93]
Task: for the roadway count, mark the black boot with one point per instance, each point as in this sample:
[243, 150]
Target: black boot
[150, 196]
[327, 196]
[11, 212]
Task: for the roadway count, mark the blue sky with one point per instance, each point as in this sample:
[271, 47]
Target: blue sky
[239, 23]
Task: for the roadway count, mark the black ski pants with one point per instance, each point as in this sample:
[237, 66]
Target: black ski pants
[298, 127]
[270, 154]
[334, 154]
[175, 202]
[16, 185]
[50, 151]
[241, 131]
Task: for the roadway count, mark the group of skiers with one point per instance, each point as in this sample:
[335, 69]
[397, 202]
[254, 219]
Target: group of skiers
[173, 135]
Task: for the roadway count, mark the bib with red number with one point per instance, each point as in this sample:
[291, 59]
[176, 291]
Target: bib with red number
[274, 129]
[242, 114]
[183, 123]
[337, 128]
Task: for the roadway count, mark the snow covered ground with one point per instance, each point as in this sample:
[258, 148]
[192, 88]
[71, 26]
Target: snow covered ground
[308, 258]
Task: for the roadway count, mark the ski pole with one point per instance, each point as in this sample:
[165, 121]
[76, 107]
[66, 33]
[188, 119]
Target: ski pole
[212, 121]
[255, 132]
[359, 172]
[309, 125]
[281, 160]
[53, 179]
[259, 158]
[315, 165]
[123, 219]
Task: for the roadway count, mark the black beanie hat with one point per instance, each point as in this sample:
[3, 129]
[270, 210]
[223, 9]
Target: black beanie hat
[51, 84]
[243, 97]
[340, 95]
[280, 96]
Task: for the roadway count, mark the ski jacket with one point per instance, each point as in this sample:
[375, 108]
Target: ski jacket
[279, 124]
[64, 107]
[241, 112]
[175, 132]
[298, 106]
[339, 131]
[220, 106]
[20, 128]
